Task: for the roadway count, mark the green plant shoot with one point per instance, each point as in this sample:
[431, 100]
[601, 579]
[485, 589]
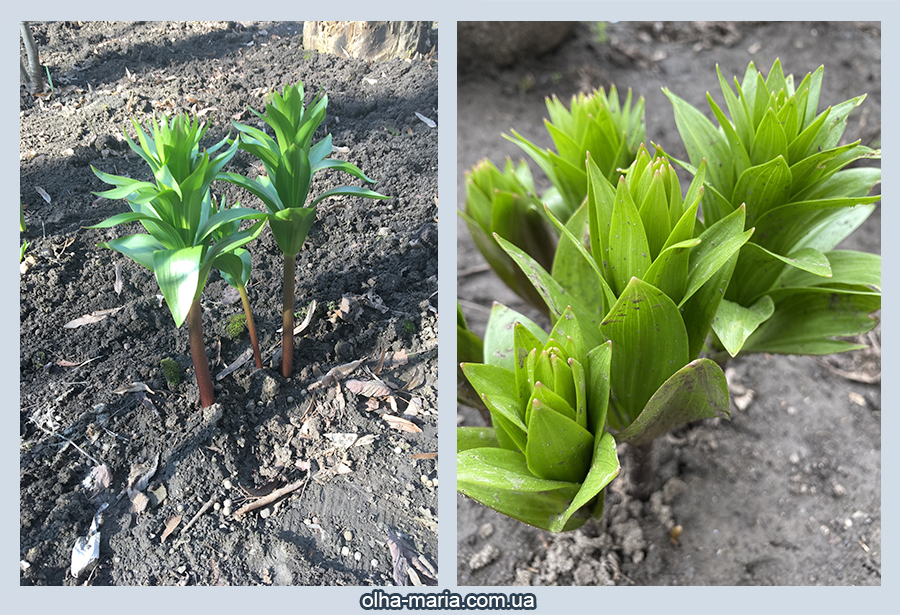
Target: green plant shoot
[547, 457]
[791, 292]
[290, 160]
[180, 224]
[235, 267]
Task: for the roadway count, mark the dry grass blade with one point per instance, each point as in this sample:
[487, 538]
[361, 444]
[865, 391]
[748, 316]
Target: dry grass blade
[424, 456]
[428, 121]
[368, 388]
[117, 285]
[93, 317]
[171, 525]
[400, 424]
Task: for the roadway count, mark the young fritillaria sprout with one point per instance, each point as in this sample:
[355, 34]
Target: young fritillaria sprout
[290, 160]
[653, 285]
[184, 238]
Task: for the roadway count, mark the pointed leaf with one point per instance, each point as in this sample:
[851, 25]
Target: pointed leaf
[808, 323]
[649, 343]
[604, 468]
[500, 480]
[558, 448]
[734, 323]
[696, 391]
[499, 337]
[475, 437]
[178, 275]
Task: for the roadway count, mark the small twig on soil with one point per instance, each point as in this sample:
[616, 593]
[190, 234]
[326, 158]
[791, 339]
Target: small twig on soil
[80, 450]
[190, 523]
[463, 273]
[857, 376]
[471, 305]
[275, 495]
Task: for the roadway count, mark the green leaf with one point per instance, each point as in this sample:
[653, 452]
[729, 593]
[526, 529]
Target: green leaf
[649, 343]
[762, 188]
[846, 266]
[604, 468]
[501, 263]
[601, 197]
[558, 448]
[469, 347]
[758, 270]
[340, 165]
[788, 228]
[293, 176]
[139, 248]
[696, 391]
[226, 217]
[669, 271]
[178, 275]
[497, 388]
[770, 141]
[363, 193]
[261, 187]
[597, 376]
[854, 182]
[499, 337]
[556, 297]
[629, 252]
[734, 323]
[718, 244]
[574, 267]
[739, 155]
[808, 323]
[231, 267]
[290, 227]
[700, 309]
[500, 480]
[475, 437]
[703, 140]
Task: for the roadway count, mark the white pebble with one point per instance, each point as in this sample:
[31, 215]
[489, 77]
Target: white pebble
[374, 563]
[348, 535]
[227, 503]
[290, 399]
[357, 556]
[227, 483]
[345, 551]
[217, 506]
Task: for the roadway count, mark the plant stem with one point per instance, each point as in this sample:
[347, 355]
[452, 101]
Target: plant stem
[35, 74]
[198, 355]
[642, 470]
[251, 326]
[287, 319]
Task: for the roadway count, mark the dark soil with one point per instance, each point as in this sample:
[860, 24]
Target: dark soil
[789, 491]
[265, 430]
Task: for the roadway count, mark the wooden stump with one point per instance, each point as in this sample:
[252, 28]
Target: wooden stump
[368, 40]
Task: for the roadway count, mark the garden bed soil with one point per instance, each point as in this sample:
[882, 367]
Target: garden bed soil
[375, 259]
[788, 492]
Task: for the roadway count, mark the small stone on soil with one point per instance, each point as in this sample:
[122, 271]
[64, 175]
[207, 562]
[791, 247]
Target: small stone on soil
[486, 530]
[488, 554]
[357, 556]
[227, 484]
[345, 551]
[348, 535]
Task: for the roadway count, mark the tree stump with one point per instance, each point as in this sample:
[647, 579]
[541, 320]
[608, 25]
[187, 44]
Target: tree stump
[368, 40]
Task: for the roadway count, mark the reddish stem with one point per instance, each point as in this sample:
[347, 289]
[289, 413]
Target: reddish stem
[251, 326]
[198, 355]
[287, 336]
